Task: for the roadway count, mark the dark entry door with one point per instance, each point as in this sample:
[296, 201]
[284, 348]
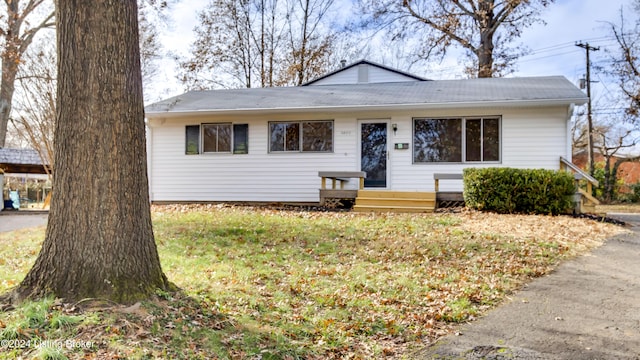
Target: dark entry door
[373, 153]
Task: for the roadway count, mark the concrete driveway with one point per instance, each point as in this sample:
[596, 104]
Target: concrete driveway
[10, 221]
[589, 308]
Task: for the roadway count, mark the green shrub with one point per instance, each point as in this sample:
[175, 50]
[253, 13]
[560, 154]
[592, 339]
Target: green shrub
[634, 195]
[525, 191]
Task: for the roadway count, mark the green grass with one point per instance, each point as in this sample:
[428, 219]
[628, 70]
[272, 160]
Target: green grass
[260, 283]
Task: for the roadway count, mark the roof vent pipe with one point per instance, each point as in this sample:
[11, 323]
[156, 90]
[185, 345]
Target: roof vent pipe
[343, 63]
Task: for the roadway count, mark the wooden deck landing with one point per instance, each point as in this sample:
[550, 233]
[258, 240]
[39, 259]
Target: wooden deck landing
[395, 201]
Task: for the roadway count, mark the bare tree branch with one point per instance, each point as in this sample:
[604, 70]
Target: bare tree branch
[483, 27]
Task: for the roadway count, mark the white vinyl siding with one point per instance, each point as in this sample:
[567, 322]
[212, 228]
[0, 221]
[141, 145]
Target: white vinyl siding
[257, 176]
[530, 138]
[363, 73]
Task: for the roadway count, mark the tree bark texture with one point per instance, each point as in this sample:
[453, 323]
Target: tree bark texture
[99, 241]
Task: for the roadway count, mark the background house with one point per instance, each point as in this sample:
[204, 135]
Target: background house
[628, 172]
[268, 144]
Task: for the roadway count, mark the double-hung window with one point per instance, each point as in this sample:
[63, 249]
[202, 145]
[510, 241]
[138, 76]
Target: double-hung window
[217, 138]
[456, 140]
[301, 136]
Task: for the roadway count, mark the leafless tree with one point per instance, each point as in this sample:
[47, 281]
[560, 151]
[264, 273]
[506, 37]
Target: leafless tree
[613, 143]
[310, 45]
[152, 15]
[483, 28]
[616, 135]
[237, 44]
[35, 106]
[260, 43]
[625, 59]
[20, 22]
[33, 115]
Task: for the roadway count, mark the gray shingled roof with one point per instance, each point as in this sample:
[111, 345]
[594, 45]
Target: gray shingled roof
[424, 94]
[19, 157]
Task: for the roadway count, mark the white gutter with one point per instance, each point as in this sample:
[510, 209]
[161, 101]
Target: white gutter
[355, 108]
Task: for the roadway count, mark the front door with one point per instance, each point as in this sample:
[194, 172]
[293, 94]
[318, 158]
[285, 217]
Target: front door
[373, 153]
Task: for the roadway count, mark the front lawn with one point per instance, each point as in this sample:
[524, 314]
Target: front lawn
[260, 283]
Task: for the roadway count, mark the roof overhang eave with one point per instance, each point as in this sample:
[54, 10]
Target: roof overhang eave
[360, 108]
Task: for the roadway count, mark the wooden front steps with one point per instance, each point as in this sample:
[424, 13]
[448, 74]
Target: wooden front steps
[395, 201]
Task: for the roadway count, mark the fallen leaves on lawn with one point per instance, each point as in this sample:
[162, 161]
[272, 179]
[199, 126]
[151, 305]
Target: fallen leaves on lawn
[581, 233]
[286, 283]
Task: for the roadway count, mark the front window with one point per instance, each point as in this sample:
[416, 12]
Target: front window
[317, 136]
[437, 140]
[297, 136]
[285, 136]
[217, 138]
[455, 140]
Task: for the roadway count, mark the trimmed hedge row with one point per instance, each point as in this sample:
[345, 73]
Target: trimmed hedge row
[523, 191]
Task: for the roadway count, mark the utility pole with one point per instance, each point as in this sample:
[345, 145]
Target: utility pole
[589, 48]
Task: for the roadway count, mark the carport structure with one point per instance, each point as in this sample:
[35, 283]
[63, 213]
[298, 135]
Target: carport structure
[22, 161]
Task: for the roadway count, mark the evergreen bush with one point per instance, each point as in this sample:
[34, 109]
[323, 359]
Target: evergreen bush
[522, 191]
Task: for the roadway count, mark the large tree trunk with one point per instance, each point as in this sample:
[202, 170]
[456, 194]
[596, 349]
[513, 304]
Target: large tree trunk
[485, 56]
[99, 242]
[487, 23]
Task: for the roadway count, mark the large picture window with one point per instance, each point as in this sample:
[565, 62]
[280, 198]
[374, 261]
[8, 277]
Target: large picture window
[296, 136]
[456, 140]
[217, 138]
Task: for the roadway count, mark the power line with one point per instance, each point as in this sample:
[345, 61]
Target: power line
[547, 56]
[599, 39]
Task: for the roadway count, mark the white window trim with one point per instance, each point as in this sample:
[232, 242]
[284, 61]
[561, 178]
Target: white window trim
[463, 139]
[202, 125]
[301, 137]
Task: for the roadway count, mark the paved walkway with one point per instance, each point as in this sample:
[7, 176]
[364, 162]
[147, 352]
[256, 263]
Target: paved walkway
[10, 221]
[589, 308]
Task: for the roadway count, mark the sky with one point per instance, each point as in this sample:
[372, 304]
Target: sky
[552, 45]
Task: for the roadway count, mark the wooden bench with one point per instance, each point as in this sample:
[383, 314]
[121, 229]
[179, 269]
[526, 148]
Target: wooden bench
[447, 198]
[439, 176]
[342, 177]
[332, 197]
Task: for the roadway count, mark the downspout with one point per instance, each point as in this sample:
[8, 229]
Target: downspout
[569, 136]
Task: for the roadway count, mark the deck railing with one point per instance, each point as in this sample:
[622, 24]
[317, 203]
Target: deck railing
[332, 197]
[578, 175]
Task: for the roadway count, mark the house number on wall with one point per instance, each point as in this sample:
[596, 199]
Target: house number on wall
[345, 132]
